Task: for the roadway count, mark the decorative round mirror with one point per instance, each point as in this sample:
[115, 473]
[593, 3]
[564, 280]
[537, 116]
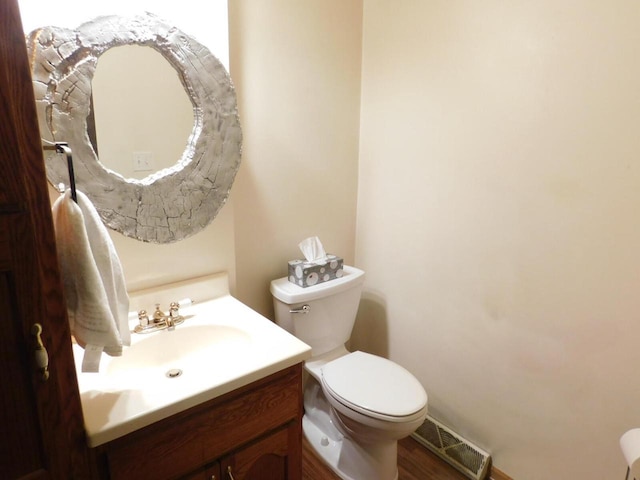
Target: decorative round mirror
[183, 195]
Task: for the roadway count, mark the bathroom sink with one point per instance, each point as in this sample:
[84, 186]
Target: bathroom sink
[221, 346]
[190, 348]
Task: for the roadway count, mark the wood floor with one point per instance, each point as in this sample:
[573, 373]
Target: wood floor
[414, 463]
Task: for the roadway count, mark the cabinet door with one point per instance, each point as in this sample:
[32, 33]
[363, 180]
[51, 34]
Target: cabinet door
[212, 472]
[20, 446]
[41, 428]
[273, 457]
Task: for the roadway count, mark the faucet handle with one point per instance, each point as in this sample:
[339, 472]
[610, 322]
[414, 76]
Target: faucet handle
[174, 308]
[143, 318]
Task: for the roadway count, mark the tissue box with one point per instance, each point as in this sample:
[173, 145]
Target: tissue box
[306, 274]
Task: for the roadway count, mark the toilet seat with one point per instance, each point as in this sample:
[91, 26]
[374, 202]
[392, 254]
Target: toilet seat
[375, 387]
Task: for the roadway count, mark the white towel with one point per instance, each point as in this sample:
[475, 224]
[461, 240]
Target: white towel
[92, 278]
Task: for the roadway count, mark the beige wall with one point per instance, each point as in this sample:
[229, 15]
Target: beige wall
[296, 68]
[499, 191]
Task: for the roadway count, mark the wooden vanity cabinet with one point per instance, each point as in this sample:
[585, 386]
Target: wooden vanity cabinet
[253, 433]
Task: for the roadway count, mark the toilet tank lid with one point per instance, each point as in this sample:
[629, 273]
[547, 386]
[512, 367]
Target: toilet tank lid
[290, 293]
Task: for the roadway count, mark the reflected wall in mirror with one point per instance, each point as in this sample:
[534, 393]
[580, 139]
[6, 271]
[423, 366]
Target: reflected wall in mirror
[155, 129]
[174, 202]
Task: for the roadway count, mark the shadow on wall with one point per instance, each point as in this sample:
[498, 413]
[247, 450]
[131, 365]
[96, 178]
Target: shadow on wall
[371, 331]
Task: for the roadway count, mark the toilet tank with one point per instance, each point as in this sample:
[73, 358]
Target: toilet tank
[332, 309]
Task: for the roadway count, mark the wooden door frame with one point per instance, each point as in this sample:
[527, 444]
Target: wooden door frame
[59, 408]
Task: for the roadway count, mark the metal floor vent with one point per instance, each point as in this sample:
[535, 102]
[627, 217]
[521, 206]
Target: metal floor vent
[452, 448]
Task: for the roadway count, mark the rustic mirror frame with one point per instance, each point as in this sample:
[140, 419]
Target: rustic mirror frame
[171, 204]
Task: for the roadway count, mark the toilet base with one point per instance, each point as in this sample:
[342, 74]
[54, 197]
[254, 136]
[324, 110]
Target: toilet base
[333, 450]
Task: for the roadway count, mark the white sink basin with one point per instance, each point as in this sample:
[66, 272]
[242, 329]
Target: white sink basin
[190, 347]
[222, 345]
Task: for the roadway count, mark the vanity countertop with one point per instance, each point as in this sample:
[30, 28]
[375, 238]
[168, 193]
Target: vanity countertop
[222, 345]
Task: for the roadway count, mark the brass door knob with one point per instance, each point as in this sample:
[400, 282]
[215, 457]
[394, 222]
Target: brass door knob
[41, 355]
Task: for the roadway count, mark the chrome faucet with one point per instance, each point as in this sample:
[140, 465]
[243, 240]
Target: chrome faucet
[160, 320]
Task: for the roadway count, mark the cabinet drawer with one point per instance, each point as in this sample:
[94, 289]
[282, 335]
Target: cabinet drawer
[191, 439]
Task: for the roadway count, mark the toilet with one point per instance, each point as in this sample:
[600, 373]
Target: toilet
[357, 405]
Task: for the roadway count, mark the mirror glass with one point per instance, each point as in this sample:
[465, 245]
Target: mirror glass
[140, 126]
[175, 199]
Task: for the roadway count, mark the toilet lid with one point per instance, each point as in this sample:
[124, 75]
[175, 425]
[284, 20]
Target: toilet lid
[374, 384]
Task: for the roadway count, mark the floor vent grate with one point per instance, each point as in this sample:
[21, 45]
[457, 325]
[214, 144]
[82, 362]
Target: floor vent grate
[452, 448]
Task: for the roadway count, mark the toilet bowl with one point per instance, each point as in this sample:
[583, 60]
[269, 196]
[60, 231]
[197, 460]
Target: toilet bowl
[357, 405]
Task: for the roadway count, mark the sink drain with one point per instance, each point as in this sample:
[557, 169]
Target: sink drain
[173, 373]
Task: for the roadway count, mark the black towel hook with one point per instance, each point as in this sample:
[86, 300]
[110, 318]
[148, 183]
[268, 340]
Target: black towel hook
[63, 147]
